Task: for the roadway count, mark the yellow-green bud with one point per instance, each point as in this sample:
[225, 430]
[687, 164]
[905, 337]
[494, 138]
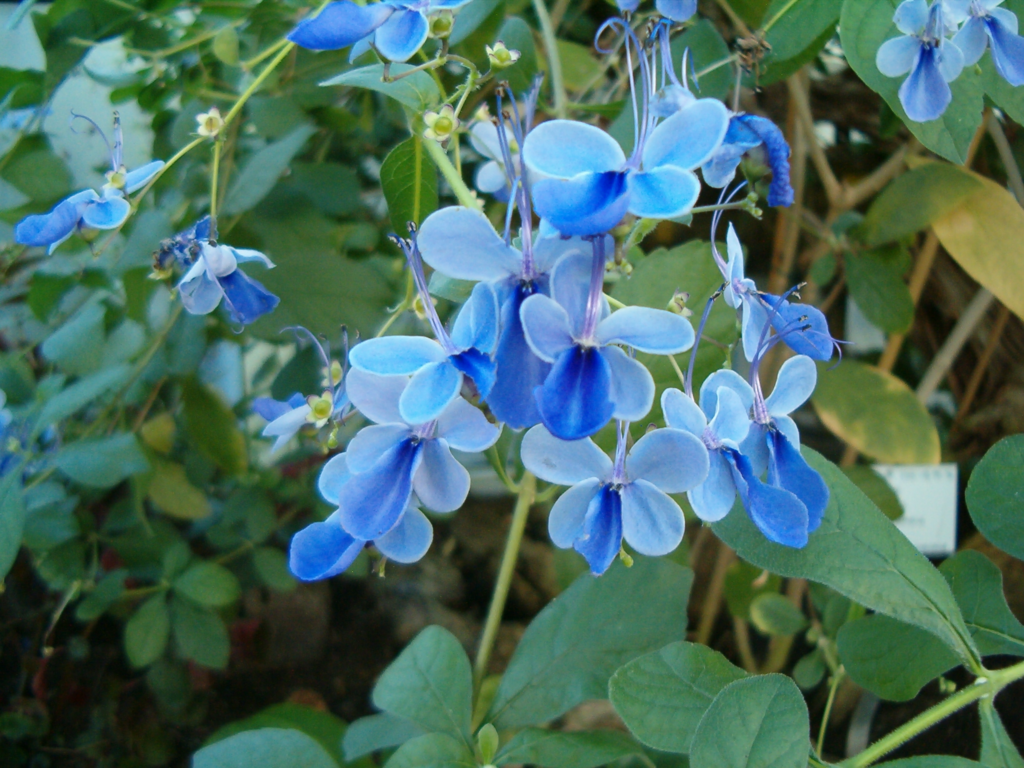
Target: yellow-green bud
[626, 558]
[320, 408]
[118, 178]
[487, 741]
[501, 57]
[441, 24]
[441, 125]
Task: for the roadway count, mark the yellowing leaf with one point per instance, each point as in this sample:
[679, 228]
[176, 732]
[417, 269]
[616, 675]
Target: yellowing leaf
[174, 495]
[158, 433]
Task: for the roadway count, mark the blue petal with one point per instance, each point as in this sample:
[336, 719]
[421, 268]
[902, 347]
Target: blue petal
[545, 326]
[689, 137]
[627, 5]
[734, 250]
[332, 477]
[788, 427]
[548, 250]
[777, 513]
[370, 443]
[461, 243]
[600, 538]
[565, 521]
[732, 420]
[402, 35]
[814, 340]
[465, 428]
[925, 94]
[682, 413]
[408, 541]
[479, 367]
[429, 392]
[652, 523]
[677, 10]
[662, 193]
[108, 213]
[491, 179]
[563, 462]
[376, 397]
[477, 322]
[1005, 18]
[286, 426]
[200, 294]
[950, 61]
[670, 459]
[794, 384]
[911, 16]
[789, 470]
[780, 193]
[720, 170]
[730, 380]
[656, 331]
[268, 409]
[519, 370]
[1007, 52]
[57, 225]
[322, 550]
[755, 317]
[137, 179]
[441, 483]
[755, 446]
[632, 386]
[246, 299]
[713, 498]
[896, 57]
[574, 400]
[249, 255]
[373, 501]
[972, 40]
[565, 148]
[395, 355]
[339, 25]
[587, 204]
[570, 287]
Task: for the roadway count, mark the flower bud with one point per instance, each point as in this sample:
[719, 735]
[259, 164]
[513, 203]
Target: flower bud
[501, 57]
[441, 24]
[320, 408]
[441, 125]
[210, 123]
[487, 742]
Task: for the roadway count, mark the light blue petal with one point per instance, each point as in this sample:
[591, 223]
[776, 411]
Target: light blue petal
[376, 397]
[755, 446]
[286, 426]
[461, 243]
[896, 57]
[794, 385]
[484, 137]
[950, 61]
[670, 459]
[713, 498]
[332, 477]
[734, 251]
[108, 213]
[402, 35]
[372, 442]
[408, 541]
[563, 149]
[957, 11]
[477, 323]
[441, 483]
[627, 5]
[972, 40]
[689, 137]
[570, 287]
[565, 521]
[339, 25]
[632, 386]
[465, 428]
[267, 408]
[548, 250]
[137, 179]
[563, 462]
[682, 413]
[720, 170]
[663, 192]
[652, 523]
[546, 327]
[57, 225]
[732, 419]
[395, 355]
[730, 380]
[656, 331]
[249, 255]
[586, 204]
[679, 11]
[755, 317]
[1007, 50]
[322, 550]
[911, 16]
[925, 94]
[1005, 18]
[788, 427]
[490, 178]
[429, 392]
[200, 294]
[372, 502]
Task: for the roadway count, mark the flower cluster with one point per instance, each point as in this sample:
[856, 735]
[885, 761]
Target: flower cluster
[939, 41]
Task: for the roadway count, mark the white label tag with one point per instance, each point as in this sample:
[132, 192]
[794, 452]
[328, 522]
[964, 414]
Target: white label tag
[928, 493]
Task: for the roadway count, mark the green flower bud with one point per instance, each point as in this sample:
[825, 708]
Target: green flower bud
[501, 57]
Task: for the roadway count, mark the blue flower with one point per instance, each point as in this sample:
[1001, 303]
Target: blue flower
[677, 10]
[89, 209]
[989, 26]
[492, 177]
[396, 28]
[285, 417]
[628, 499]
[591, 380]
[932, 60]
[745, 133]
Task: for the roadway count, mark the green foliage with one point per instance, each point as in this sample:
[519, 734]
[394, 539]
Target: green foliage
[995, 495]
[409, 182]
[377, 732]
[12, 519]
[208, 584]
[773, 614]
[199, 634]
[147, 632]
[997, 748]
[875, 279]
[259, 175]
[212, 426]
[324, 727]
[554, 749]
[977, 585]
[433, 750]
[415, 91]
[266, 747]
[102, 462]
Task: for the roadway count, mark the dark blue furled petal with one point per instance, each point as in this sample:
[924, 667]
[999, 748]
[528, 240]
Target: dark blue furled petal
[269, 409]
[339, 25]
[247, 300]
[322, 550]
[601, 538]
[789, 470]
[816, 342]
[574, 401]
[519, 371]
[780, 192]
[587, 204]
[479, 367]
[372, 502]
[1007, 51]
[777, 513]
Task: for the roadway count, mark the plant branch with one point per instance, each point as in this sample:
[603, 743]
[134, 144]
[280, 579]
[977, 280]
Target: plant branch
[440, 158]
[798, 93]
[547, 31]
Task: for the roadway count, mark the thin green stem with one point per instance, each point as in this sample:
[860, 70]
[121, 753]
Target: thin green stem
[214, 175]
[782, 12]
[547, 31]
[250, 63]
[527, 491]
[257, 82]
[614, 302]
[837, 678]
[440, 158]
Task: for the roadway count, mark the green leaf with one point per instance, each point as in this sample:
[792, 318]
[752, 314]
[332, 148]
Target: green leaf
[102, 462]
[914, 200]
[377, 732]
[107, 592]
[417, 91]
[272, 566]
[225, 45]
[431, 684]
[977, 585]
[876, 488]
[75, 397]
[757, 721]
[875, 279]
[326, 728]
[556, 749]
[706, 47]
[266, 748]
[434, 750]
[77, 346]
[261, 171]
[12, 518]
[744, 582]
[798, 24]
[931, 761]
[172, 493]
[579, 67]
[199, 634]
[331, 187]
[891, 659]
[209, 584]
[214, 428]
[409, 181]
[573, 646]
[147, 631]
[40, 174]
[773, 614]
[997, 748]
[810, 670]
[995, 495]
[662, 696]
[470, 17]
[45, 292]
[859, 553]
[876, 413]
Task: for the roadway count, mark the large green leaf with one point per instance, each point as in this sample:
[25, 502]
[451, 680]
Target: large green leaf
[326, 728]
[12, 518]
[261, 171]
[434, 750]
[213, 427]
[431, 684]
[876, 413]
[556, 749]
[977, 585]
[573, 646]
[266, 748]
[409, 181]
[757, 721]
[997, 748]
[875, 279]
[662, 696]
[376, 732]
[102, 462]
[416, 91]
[773, 614]
[995, 495]
[798, 24]
[931, 761]
[859, 553]
[199, 634]
[147, 632]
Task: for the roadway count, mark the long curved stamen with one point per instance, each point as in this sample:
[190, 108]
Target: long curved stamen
[300, 332]
[415, 261]
[518, 181]
[117, 154]
[511, 210]
[113, 155]
[716, 217]
[688, 380]
[619, 469]
[596, 293]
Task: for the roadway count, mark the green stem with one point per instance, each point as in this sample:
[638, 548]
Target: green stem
[257, 82]
[547, 31]
[214, 173]
[782, 12]
[440, 158]
[837, 678]
[527, 491]
[989, 685]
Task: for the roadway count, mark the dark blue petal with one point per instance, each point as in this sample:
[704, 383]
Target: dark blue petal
[780, 192]
[339, 25]
[925, 93]
[815, 341]
[1007, 51]
[479, 367]
[372, 502]
[587, 204]
[268, 408]
[777, 513]
[601, 537]
[789, 470]
[519, 371]
[574, 401]
[55, 226]
[247, 299]
[322, 550]
[200, 231]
